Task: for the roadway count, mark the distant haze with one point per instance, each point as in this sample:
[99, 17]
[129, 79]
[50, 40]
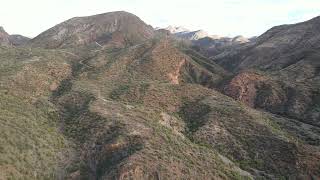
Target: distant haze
[221, 17]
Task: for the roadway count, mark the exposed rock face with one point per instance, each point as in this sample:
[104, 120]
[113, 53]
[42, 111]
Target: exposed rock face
[4, 37]
[262, 91]
[174, 76]
[201, 70]
[116, 28]
[243, 87]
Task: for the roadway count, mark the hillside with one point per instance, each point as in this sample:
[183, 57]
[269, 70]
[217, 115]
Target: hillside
[143, 105]
[279, 71]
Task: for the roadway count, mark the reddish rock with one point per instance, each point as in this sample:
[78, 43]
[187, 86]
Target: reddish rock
[243, 87]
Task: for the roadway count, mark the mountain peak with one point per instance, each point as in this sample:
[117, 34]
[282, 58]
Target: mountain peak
[240, 39]
[114, 28]
[114, 14]
[176, 29]
[201, 33]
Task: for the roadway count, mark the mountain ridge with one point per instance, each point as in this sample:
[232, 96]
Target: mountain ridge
[287, 56]
[113, 28]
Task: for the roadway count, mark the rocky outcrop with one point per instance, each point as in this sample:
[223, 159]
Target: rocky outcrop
[262, 91]
[174, 76]
[4, 37]
[244, 87]
[257, 91]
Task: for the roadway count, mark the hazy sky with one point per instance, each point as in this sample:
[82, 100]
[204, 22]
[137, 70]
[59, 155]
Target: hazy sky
[221, 17]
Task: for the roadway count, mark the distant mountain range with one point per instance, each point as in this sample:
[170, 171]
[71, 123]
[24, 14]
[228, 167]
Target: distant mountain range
[209, 45]
[184, 33]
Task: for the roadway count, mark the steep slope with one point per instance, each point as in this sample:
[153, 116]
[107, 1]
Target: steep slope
[277, 94]
[279, 71]
[115, 28]
[31, 144]
[4, 37]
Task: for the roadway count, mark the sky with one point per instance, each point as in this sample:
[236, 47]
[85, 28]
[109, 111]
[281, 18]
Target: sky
[218, 17]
